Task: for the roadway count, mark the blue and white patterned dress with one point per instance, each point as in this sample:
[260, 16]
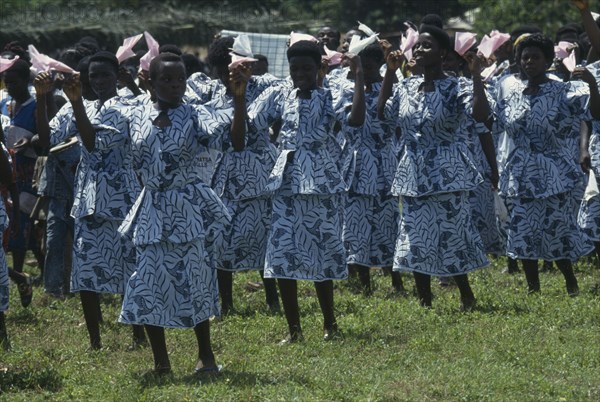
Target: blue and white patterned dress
[239, 179]
[4, 283]
[371, 212]
[589, 212]
[482, 197]
[105, 189]
[541, 173]
[436, 171]
[305, 237]
[175, 283]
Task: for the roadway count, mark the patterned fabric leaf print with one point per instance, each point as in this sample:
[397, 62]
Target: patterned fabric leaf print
[434, 154]
[437, 236]
[187, 284]
[166, 161]
[542, 128]
[106, 183]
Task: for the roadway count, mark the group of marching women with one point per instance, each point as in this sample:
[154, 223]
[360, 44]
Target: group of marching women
[380, 159]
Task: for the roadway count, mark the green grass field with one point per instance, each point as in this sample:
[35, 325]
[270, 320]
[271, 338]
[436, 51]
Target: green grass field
[512, 347]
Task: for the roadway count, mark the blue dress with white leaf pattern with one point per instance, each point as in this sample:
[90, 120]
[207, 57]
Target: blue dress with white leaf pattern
[541, 173]
[175, 284]
[371, 212]
[105, 189]
[305, 236]
[436, 171]
[4, 290]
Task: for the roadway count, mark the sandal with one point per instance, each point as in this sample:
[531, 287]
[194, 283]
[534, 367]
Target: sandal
[26, 290]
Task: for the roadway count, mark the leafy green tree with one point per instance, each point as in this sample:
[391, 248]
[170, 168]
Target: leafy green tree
[506, 15]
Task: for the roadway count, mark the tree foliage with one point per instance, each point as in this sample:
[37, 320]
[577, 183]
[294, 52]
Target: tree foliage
[506, 15]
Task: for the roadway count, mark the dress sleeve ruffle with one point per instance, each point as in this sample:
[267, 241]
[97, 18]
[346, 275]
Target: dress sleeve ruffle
[435, 170]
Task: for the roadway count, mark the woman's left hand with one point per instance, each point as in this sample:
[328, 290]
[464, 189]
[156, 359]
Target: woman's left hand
[583, 74]
[473, 62]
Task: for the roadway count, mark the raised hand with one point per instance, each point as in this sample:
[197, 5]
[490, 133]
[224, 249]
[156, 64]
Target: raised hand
[354, 62]
[583, 74]
[473, 62]
[581, 4]
[386, 47]
[238, 79]
[43, 83]
[394, 59]
[72, 87]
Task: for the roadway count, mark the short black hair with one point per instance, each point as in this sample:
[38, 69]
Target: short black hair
[21, 69]
[433, 19]
[540, 41]
[305, 48]
[170, 48]
[372, 52]
[218, 52]
[106, 57]
[17, 48]
[439, 34]
[261, 57]
[84, 65]
[163, 58]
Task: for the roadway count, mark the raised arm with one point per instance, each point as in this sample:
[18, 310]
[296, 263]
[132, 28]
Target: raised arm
[481, 106]
[393, 61]
[126, 79]
[357, 113]
[72, 88]
[487, 144]
[585, 75]
[239, 81]
[588, 22]
[43, 86]
[584, 141]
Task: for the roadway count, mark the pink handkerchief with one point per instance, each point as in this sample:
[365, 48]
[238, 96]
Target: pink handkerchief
[407, 42]
[463, 41]
[5, 64]
[40, 62]
[125, 51]
[297, 37]
[562, 49]
[333, 58]
[570, 62]
[489, 44]
[152, 52]
[236, 60]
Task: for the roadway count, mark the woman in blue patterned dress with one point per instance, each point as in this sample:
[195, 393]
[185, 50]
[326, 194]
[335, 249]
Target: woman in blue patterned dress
[436, 170]
[540, 173]
[239, 180]
[175, 283]
[371, 212]
[6, 179]
[105, 190]
[305, 236]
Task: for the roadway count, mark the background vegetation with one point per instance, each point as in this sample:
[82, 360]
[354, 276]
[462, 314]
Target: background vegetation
[52, 24]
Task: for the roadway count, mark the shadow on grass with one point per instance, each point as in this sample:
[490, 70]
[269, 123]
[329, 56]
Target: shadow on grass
[15, 379]
[240, 379]
[23, 316]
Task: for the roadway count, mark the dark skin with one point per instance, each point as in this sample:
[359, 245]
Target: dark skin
[429, 56]
[329, 37]
[534, 65]
[304, 72]
[103, 80]
[168, 84]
